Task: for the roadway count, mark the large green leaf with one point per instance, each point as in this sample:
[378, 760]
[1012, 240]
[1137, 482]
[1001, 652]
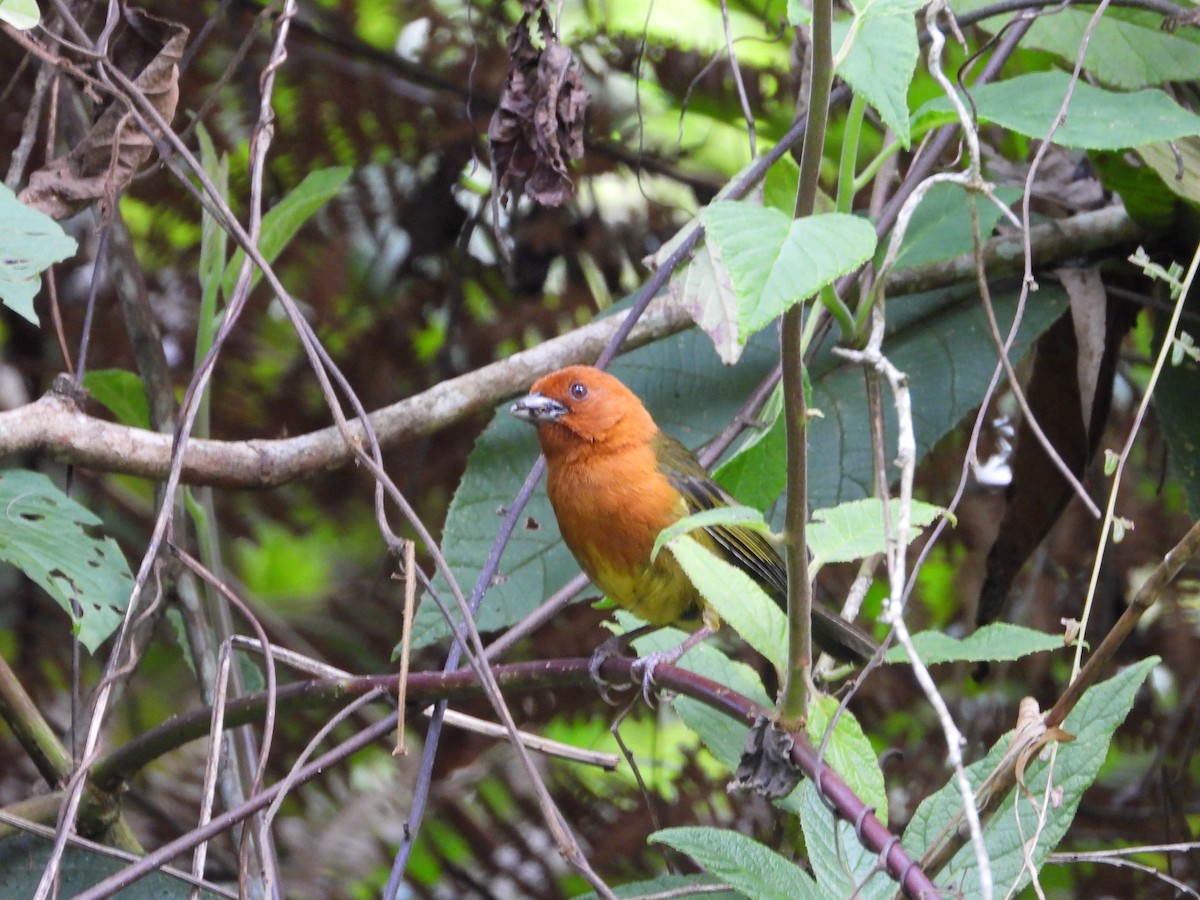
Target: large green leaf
[848, 751]
[1119, 54]
[741, 862]
[1097, 119]
[724, 736]
[997, 642]
[942, 343]
[30, 242]
[843, 866]
[56, 543]
[775, 261]
[706, 291]
[881, 64]
[855, 529]
[940, 227]
[24, 856]
[1127, 49]
[737, 598]
[1093, 721]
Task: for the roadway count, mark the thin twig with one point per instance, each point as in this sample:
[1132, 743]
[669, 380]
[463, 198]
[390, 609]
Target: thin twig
[747, 112]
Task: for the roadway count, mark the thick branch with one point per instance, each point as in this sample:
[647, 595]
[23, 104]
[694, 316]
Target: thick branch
[54, 425]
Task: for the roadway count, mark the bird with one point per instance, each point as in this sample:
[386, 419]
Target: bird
[615, 480]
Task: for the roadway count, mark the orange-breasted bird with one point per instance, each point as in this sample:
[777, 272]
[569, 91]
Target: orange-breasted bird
[615, 481]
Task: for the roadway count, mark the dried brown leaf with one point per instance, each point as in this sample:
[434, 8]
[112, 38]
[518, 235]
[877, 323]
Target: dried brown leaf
[1030, 736]
[538, 124]
[104, 162]
[1089, 314]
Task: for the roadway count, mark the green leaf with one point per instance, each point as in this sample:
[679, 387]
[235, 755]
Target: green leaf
[724, 736]
[737, 598]
[281, 222]
[23, 857]
[213, 241]
[1148, 193]
[705, 290]
[881, 64]
[1177, 166]
[948, 355]
[848, 751]
[30, 242]
[741, 862]
[884, 8]
[855, 530]
[1097, 119]
[20, 14]
[56, 543]
[945, 349]
[121, 393]
[673, 886]
[745, 516]
[842, 865]
[1097, 715]
[839, 860]
[997, 642]
[781, 185]
[798, 13]
[940, 228]
[745, 474]
[1120, 54]
[774, 261]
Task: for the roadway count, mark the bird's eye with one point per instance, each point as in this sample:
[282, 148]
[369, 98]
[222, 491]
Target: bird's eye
[578, 390]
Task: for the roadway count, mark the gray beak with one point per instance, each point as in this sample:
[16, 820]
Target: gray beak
[538, 409]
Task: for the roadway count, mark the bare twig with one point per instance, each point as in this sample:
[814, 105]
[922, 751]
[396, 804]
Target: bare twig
[735, 67]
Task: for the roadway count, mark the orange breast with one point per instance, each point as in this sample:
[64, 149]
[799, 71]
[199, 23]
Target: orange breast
[610, 508]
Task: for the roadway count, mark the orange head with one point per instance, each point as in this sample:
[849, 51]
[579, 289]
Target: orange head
[581, 407]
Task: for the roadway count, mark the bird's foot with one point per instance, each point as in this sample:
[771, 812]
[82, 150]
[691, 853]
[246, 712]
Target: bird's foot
[644, 666]
[613, 647]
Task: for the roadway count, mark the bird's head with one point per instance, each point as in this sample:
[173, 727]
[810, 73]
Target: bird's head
[579, 406]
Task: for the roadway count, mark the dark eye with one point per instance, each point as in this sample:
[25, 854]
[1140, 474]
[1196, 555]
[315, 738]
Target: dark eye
[578, 390]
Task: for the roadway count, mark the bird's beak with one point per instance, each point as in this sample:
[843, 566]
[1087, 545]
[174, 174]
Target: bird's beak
[538, 409]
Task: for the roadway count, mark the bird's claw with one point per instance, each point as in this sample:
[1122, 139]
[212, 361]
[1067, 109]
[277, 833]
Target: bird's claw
[612, 647]
[642, 671]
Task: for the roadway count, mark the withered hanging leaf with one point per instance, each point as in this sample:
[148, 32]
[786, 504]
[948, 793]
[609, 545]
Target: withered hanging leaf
[538, 124]
[147, 49]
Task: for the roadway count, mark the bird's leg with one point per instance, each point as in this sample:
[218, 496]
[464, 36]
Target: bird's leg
[644, 666]
[614, 646]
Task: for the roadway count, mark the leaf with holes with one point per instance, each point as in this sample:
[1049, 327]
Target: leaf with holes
[57, 543]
